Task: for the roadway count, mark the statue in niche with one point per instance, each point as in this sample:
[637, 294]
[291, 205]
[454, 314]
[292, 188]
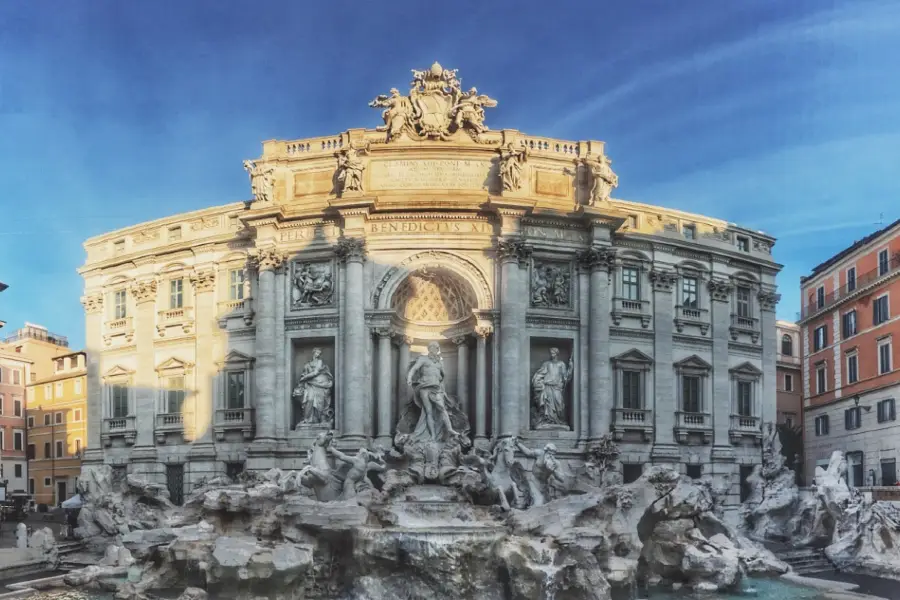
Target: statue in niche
[547, 479]
[511, 163]
[549, 385]
[549, 286]
[313, 392]
[430, 408]
[312, 286]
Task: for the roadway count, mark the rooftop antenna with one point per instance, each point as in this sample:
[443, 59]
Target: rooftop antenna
[880, 221]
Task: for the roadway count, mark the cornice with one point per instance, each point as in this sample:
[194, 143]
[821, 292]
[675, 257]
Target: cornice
[628, 333]
[541, 321]
[311, 322]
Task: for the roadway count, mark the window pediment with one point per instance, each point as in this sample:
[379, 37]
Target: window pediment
[236, 360]
[174, 366]
[746, 370]
[632, 359]
[693, 364]
[118, 372]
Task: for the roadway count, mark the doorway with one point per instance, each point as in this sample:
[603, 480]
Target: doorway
[61, 489]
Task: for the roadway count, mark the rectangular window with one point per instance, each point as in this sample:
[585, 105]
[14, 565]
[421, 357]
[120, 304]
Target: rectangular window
[789, 419]
[234, 469]
[174, 395]
[631, 286]
[119, 397]
[59, 389]
[31, 486]
[76, 416]
[690, 400]
[60, 365]
[788, 382]
[30, 422]
[851, 279]
[887, 411]
[17, 377]
[631, 389]
[175, 233]
[883, 262]
[689, 232]
[884, 357]
[820, 339]
[59, 449]
[48, 392]
[880, 310]
[694, 471]
[744, 399]
[46, 482]
[743, 302]
[820, 296]
[17, 408]
[176, 293]
[821, 380]
[852, 418]
[30, 452]
[689, 292]
[848, 325]
[58, 418]
[17, 472]
[631, 472]
[119, 300]
[46, 419]
[18, 439]
[743, 244]
[234, 392]
[888, 471]
[2, 402]
[855, 469]
[77, 385]
[236, 284]
[852, 368]
[77, 447]
[47, 450]
[822, 425]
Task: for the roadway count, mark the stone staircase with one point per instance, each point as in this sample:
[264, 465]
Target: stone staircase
[805, 561]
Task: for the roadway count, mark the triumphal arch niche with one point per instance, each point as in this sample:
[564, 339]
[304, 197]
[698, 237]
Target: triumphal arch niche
[433, 279]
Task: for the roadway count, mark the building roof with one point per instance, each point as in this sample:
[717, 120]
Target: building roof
[76, 372]
[13, 356]
[856, 245]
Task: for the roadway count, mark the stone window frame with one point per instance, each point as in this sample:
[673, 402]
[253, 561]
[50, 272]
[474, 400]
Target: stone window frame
[847, 278]
[632, 360]
[20, 434]
[235, 361]
[117, 376]
[746, 372]
[701, 274]
[118, 285]
[880, 343]
[173, 368]
[844, 334]
[165, 276]
[885, 317]
[634, 260]
[234, 262]
[821, 425]
[694, 366]
[821, 366]
[746, 281]
[790, 344]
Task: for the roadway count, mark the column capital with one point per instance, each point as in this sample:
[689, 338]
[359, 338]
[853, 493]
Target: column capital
[720, 289]
[460, 340]
[596, 259]
[93, 303]
[514, 249]
[663, 281]
[483, 331]
[351, 249]
[144, 291]
[269, 259]
[383, 332]
[204, 280]
[768, 300]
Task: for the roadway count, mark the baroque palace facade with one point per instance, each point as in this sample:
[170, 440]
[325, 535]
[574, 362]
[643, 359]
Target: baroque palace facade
[231, 337]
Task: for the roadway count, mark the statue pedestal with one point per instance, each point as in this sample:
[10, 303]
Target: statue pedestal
[552, 427]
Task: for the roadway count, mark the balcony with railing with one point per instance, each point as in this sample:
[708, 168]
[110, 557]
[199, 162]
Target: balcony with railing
[234, 309]
[743, 426]
[38, 333]
[691, 315]
[234, 419]
[636, 309]
[746, 325]
[167, 423]
[696, 423]
[862, 283]
[118, 427]
[632, 419]
[118, 330]
[182, 317]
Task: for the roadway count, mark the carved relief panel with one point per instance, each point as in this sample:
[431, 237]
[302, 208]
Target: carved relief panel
[312, 284]
[551, 284]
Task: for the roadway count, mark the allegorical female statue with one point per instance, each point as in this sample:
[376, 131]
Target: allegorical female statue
[313, 391]
[431, 415]
[549, 386]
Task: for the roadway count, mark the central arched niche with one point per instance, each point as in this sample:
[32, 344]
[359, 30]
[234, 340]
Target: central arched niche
[434, 296]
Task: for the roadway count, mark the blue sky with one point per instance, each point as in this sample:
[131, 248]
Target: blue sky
[780, 116]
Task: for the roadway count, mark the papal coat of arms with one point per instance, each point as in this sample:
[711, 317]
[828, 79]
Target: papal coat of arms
[436, 107]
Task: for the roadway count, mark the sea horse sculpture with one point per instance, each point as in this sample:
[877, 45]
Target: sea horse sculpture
[318, 475]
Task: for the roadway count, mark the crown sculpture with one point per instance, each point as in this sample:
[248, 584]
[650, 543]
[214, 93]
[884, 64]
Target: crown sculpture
[436, 108]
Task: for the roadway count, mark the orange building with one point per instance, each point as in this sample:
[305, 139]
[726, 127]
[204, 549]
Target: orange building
[789, 375]
[850, 313]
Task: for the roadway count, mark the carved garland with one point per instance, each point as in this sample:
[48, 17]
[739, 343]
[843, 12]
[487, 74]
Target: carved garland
[435, 258]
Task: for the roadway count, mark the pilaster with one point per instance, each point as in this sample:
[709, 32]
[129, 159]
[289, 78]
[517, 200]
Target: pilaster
[403, 344]
[582, 417]
[720, 315]
[599, 260]
[768, 300]
[514, 255]
[481, 334]
[352, 252]
[268, 262]
[145, 392]
[664, 390]
[385, 413]
[93, 308]
[204, 282]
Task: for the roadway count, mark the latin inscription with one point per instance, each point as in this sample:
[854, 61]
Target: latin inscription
[553, 233]
[435, 174]
[427, 227]
[308, 233]
[552, 184]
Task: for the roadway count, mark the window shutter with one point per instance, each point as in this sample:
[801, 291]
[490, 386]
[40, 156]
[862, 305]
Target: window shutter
[847, 419]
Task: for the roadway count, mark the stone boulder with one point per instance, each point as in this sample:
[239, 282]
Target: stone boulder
[867, 538]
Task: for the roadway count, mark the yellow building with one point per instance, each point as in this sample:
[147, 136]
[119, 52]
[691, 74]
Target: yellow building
[56, 413]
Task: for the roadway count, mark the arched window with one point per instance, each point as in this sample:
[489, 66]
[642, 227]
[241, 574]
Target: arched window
[787, 345]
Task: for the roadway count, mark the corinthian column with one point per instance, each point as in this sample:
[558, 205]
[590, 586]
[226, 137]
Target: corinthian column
[462, 372]
[514, 256]
[768, 300]
[268, 261]
[385, 421]
[352, 252]
[599, 261]
[664, 390]
[403, 344]
[204, 284]
[93, 309]
[144, 293]
[481, 334]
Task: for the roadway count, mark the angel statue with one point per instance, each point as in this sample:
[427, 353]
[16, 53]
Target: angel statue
[470, 111]
[511, 161]
[397, 114]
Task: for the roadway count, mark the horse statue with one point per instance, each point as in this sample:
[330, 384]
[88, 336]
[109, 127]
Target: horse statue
[506, 473]
[319, 475]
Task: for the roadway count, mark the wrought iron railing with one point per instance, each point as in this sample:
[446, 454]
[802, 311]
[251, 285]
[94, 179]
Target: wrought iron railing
[812, 308]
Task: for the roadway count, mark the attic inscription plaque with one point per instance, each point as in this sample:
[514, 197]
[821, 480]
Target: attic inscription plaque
[430, 174]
